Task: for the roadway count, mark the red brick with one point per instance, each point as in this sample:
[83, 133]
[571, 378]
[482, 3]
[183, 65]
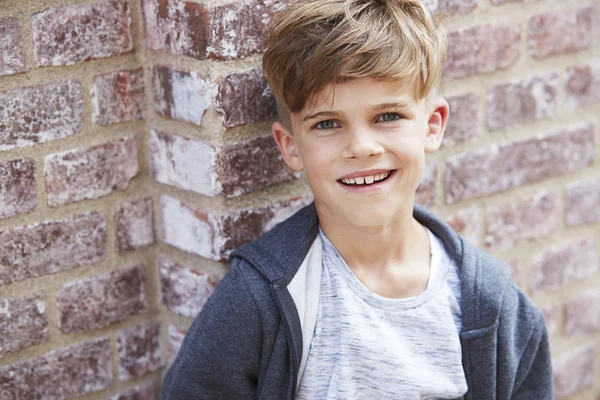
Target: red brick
[175, 341]
[134, 224]
[118, 97]
[574, 371]
[184, 290]
[244, 97]
[463, 124]
[425, 194]
[229, 170]
[181, 95]
[140, 392]
[582, 313]
[468, 223]
[102, 300]
[250, 165]
[90, 172]
[565, 264]
[552, 317]
[12, 57]
[139, 351]
[75, 33]
[583, 202]
[450, 7]
[560, 32]
[215, 236]
[583, 85]
[528, 218]
[38, 114]
[17, 187]
[176, 27]
[519, 101]
[239, 29]
[23, 323]
[497, 168]
[64, 373]
[52, 246]
[482, 49]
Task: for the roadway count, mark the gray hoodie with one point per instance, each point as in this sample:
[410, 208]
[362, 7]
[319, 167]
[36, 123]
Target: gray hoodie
[251, 338]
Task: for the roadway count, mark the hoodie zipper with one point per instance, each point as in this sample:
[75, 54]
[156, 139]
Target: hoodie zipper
[288, 332]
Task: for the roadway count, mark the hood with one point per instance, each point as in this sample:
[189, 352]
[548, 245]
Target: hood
[278, 254]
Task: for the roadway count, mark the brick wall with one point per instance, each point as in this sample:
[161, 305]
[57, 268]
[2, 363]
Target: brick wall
[134, 155]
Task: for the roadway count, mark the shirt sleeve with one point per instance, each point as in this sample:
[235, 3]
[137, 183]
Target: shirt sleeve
[220, 355]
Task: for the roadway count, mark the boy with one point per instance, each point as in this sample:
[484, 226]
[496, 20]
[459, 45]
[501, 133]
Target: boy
[361, 295]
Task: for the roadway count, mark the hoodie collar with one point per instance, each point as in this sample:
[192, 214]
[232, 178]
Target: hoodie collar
[278, 254]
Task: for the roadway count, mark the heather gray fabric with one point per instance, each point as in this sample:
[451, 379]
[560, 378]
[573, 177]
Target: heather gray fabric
[247, 341]
[366, 346]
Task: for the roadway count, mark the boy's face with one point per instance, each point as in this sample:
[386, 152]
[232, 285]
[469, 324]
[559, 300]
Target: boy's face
[362, 146]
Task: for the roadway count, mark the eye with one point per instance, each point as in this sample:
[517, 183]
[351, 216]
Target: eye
[326, 125]
[389, 117]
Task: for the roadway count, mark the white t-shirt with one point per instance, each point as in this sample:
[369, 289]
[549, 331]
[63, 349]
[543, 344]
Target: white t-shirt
[366, 346]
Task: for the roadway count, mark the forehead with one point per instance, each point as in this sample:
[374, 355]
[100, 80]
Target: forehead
[361, 93]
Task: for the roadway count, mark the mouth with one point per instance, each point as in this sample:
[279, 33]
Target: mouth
[367, 180]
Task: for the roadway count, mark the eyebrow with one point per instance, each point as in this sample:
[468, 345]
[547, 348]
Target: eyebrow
[375, 107]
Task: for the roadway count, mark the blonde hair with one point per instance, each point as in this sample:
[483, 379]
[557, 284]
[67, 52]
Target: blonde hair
[314, 43]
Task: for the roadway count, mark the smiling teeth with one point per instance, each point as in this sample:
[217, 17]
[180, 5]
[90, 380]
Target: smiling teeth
[366, 180]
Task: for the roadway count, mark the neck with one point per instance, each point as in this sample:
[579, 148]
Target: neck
[397, 242]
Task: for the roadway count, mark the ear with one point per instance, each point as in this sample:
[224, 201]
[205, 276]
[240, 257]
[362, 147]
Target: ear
[287, 146]
[436, 125]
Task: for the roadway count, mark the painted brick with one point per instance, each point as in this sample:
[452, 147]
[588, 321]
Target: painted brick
[23, 323]
[52, 246]
[463, 124]
[482, 49]
[502, 2]
[176, 27]
[141, 392]
[497, 168]
[134, 224]
[244, 97]
[552, 317]
[17, 187]
[99, 301]
[175, 340]
[574, 371]
[451, 7]
[563, 31]
[582, 313]
[583, 85]
[528, 218]
[425, 194]
[75, 33]
[215, 236]
[181, 95]
[519, 101]
[118, 97]
[184, 290]
[565, 264]
[12, 57]
[61, 374]
[38, 114]
[583, 202]
[229, 170]
[239, 29]
[468, 223]
[184, 163]
[139, 351]
[90, 172]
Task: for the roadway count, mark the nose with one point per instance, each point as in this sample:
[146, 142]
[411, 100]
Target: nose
[361, 144]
